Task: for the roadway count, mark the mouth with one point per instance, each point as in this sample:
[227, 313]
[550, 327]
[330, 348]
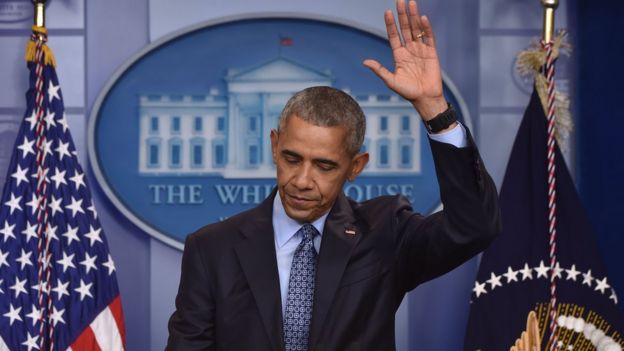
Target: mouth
[299, 201]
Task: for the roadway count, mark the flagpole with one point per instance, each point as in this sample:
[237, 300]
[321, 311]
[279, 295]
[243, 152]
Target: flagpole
[549, 71]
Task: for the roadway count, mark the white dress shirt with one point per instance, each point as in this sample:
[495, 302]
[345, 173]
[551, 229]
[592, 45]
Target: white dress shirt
[285, 228]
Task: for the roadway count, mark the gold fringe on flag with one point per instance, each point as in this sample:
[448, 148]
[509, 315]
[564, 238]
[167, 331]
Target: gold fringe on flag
[31, 47]
[530, 63]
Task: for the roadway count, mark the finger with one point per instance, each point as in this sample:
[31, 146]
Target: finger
[377, 68]
[393, 34]
[533, 329]
[524, 339]
[426, 26]
[414, 19]
[406, 29]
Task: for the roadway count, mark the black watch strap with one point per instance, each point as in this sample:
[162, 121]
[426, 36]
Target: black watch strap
[442, 121]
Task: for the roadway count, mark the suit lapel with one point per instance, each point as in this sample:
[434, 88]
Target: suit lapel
[339, 238]
[257, 258]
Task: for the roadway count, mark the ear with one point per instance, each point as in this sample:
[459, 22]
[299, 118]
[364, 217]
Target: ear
[274, 140]
[358, 163]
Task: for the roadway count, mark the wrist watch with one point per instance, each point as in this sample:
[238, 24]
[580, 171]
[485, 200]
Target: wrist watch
[442, 121]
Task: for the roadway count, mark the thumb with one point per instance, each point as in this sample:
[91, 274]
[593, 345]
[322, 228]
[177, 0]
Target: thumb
[377, 68]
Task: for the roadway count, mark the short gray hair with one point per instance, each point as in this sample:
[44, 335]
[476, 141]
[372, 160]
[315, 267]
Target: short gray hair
[328, 107]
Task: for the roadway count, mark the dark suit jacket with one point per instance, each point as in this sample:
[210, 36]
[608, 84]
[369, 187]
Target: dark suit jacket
[229, 295]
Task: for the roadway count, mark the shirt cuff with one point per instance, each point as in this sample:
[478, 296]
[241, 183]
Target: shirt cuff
[456, 136]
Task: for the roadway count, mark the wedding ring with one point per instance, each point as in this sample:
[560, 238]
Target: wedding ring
[420, 35]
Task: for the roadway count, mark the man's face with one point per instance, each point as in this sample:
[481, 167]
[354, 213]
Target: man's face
[312, 166]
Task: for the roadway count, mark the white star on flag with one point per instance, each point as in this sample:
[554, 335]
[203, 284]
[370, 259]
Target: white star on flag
[33, 203]
[84, 290]
[13, 314]
[3, 259]
[19, 287]
[55, 205]
[31, 341]
[63, 123]
[479, 288]
[30, 231]
[93, 235]
[511, 275]
[601, 284]
[63, 150]
[60, 289]
[494, 281]
[542, 270]
[89, 262]
[71, 234]
[53, 91]
[587, 278]
[27, 147]
[20, 175]
[14, 203]
[66, 261]
[24, 259]
[57, 316]
[49, 119]
[572, 273]
[109, 264]
[58, 178]
[75, 206]
[34, 315]
[7, 231]
[32, 119]
[78, 180]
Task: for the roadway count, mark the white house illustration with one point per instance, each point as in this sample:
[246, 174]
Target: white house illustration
[227, 134]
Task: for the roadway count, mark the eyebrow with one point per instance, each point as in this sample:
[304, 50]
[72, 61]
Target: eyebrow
[318, 160]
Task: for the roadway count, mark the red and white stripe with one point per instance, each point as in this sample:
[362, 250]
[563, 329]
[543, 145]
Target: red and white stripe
[106, 332]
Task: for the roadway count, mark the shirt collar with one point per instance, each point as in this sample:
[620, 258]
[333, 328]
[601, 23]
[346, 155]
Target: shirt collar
[285, 227]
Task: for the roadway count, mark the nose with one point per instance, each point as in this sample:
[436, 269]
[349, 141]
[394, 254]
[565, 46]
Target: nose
[303, 178]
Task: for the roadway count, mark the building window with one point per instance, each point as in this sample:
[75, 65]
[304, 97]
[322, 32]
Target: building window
[153, 152]
[253, 155]
[154, 124]
[253, 123]
[221, 124]
[405, 124]
[175, 153]
[175, 124]
[218, 153]
[383, 153]
[198, 124]
[406, 153]
[383, 123]
[197, 152]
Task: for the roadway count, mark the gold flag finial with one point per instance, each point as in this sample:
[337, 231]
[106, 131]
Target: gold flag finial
[549, 19]
[39, 19]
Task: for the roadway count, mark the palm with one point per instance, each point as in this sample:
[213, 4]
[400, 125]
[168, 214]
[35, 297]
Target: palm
[417, 72]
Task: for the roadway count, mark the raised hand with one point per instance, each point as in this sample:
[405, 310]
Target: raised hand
[417, 75]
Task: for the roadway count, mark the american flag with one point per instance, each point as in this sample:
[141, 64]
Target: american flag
[58, 286]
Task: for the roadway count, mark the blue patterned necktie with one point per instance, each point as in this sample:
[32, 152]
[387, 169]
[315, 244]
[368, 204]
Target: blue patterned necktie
[298, 312]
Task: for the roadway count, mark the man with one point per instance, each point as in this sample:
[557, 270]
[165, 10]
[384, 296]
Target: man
[310, 269]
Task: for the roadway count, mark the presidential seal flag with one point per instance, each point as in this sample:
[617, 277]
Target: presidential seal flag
[526, 270]
[58, 287]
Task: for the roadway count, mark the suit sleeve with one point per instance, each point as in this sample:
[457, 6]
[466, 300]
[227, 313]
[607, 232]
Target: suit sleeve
[433, 245]
[192, 325]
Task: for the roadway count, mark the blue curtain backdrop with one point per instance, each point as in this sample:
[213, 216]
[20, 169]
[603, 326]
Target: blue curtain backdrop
[600, 124]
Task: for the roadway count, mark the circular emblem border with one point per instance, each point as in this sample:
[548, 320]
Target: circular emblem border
[93, 116]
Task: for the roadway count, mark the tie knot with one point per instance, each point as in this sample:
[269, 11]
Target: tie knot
[308, 231]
